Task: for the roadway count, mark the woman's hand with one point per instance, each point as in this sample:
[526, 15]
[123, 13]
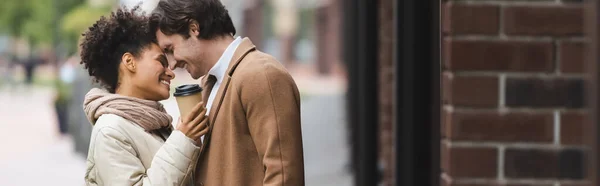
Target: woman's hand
[194, 125]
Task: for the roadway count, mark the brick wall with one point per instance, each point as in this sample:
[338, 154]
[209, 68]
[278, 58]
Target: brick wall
[512, 93]
[386, 84]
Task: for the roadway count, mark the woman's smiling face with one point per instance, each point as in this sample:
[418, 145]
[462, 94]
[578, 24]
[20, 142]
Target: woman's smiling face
[151, 77]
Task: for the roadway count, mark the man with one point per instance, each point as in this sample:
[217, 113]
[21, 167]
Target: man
[254, 133]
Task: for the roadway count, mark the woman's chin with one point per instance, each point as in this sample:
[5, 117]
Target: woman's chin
[162, 95]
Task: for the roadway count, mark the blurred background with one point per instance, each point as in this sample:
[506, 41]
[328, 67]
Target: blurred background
[410, 93]
[45, 132]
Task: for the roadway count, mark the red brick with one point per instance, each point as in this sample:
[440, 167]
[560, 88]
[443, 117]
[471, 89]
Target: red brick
[463, 162]
[445, 118]
[495, 127]
[475, 184]
[497, 184]
[544, 92]
[571, 128]
[444, 157]
[510, 184]
[543, 20]
[459, 91]
[527, 163]
[386, 102]
[479, 55]
[386, 153]
[543, 164]
[571, 57]
[576, 184]
[446, 88]
[470, 19]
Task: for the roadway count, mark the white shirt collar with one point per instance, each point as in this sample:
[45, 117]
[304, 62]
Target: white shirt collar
[222, 64]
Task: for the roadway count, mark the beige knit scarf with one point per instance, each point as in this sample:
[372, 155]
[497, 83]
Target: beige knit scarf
[150, 115]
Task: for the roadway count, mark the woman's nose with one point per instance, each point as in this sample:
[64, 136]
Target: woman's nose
[170, 73]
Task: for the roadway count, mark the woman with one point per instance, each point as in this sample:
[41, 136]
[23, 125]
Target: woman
[132, 141]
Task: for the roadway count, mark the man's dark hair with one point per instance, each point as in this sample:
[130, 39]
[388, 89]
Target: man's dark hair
[109, 38]
[175, 16]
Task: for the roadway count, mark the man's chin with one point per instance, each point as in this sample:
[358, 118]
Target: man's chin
[195, 77]
[193, 74]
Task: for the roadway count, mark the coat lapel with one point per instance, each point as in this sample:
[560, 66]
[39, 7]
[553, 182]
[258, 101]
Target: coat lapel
[244, 48]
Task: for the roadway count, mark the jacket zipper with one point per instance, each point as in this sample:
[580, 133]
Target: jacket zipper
[194, 170]
[193, 175]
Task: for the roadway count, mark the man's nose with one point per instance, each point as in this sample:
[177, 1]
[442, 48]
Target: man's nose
[172, 62]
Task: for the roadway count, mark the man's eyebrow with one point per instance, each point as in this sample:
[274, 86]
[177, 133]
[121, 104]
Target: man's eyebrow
[167, 48]
[162, 58]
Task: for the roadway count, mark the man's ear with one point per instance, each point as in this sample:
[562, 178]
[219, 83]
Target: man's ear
[129, 61]
[194, 28]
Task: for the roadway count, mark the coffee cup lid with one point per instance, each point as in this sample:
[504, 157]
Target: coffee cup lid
[185, 90]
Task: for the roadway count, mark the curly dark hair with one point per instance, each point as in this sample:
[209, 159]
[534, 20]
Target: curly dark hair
[174, 17]
[103, 45]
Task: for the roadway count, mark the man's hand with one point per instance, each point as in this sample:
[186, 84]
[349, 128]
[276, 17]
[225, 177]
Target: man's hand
[194, 125]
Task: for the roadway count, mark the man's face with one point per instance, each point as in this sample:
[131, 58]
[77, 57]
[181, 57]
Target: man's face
[183, 53]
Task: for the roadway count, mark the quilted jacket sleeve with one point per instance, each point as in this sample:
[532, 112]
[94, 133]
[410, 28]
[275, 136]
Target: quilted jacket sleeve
[117, 162]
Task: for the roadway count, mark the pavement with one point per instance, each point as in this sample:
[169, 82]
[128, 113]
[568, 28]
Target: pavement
[326, 151]
[34, 153]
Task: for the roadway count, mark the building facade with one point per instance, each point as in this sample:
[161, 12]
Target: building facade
[513, 93]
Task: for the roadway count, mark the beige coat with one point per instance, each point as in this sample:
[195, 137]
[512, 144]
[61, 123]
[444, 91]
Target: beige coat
[254, 137]
[122, 153]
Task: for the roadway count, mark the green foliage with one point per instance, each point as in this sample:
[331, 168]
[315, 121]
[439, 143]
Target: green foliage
[38, 28]
[79, 20]
[65, 7]
[13, 15]
[35, 20]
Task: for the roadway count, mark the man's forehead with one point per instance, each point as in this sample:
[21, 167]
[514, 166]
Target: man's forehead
[163, 40]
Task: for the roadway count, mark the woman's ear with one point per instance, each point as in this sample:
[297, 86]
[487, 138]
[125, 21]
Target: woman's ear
[194, 28]
[129, 62]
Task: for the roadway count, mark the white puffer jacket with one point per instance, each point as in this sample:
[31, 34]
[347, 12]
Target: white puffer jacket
[122, 153]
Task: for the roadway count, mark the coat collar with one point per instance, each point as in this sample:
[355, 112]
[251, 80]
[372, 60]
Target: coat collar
[244, 48]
